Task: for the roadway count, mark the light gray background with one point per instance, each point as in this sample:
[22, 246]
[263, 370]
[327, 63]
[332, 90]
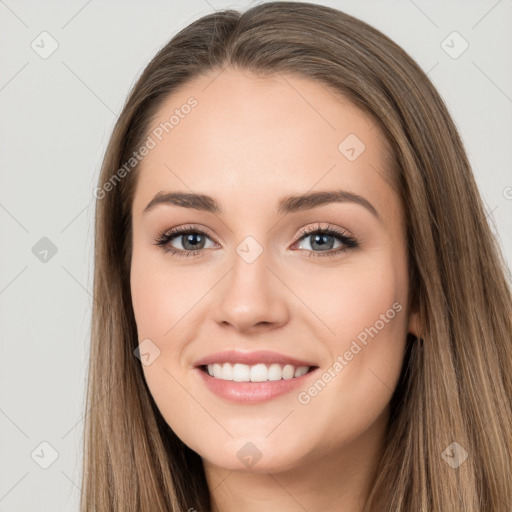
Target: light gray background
[55, 118]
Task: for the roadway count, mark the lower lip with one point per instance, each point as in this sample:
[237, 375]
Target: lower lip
[252, 392]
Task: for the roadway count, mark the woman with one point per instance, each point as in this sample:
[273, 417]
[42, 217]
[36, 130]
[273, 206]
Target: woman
[299, 304]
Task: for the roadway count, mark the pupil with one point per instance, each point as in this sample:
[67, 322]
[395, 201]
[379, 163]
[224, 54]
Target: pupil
[189, 239]
[322, 244]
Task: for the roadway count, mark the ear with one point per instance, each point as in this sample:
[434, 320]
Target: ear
[414, 324]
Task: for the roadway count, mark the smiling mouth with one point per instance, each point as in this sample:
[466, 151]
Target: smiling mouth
[255, 373]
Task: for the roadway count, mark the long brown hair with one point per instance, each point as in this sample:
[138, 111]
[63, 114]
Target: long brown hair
[455, 386]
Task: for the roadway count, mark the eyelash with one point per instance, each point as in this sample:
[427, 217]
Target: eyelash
[350, 242]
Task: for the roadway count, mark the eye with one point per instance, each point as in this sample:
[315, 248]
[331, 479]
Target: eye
[324, 239]
[191, 239]
[194, 240]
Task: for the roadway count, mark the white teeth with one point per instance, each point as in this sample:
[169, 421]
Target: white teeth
[241, 373]
[259, 373]
[255, 373]
[227, 372]
[217, 370]
[300, 371]
[274, 372]
[288, 372]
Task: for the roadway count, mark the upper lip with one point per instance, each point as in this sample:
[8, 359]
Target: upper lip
[251, 358]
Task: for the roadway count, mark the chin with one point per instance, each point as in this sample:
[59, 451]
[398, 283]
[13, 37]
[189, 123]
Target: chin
[257, 456]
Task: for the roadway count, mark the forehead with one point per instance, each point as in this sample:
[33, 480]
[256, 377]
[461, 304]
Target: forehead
[238, 134]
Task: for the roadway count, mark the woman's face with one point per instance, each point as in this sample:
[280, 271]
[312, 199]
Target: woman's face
[253, 294]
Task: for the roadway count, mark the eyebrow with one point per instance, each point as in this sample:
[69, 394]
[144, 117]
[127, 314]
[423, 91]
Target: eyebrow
[288, 204]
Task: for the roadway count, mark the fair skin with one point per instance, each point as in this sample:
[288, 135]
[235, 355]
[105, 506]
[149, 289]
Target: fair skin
[251, 141]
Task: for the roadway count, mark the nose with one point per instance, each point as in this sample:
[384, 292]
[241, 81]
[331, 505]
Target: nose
[251, 298]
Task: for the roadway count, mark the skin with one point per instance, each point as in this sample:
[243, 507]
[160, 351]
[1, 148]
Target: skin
[250, 141]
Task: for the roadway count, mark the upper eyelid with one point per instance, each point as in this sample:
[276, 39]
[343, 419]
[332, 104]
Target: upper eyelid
[303, 232]
[345, 237]
[180, 230]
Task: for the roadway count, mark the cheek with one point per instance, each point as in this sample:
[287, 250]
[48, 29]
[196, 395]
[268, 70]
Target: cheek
[352, 297]
[368, 318]
[163, 294]
[163, 299]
